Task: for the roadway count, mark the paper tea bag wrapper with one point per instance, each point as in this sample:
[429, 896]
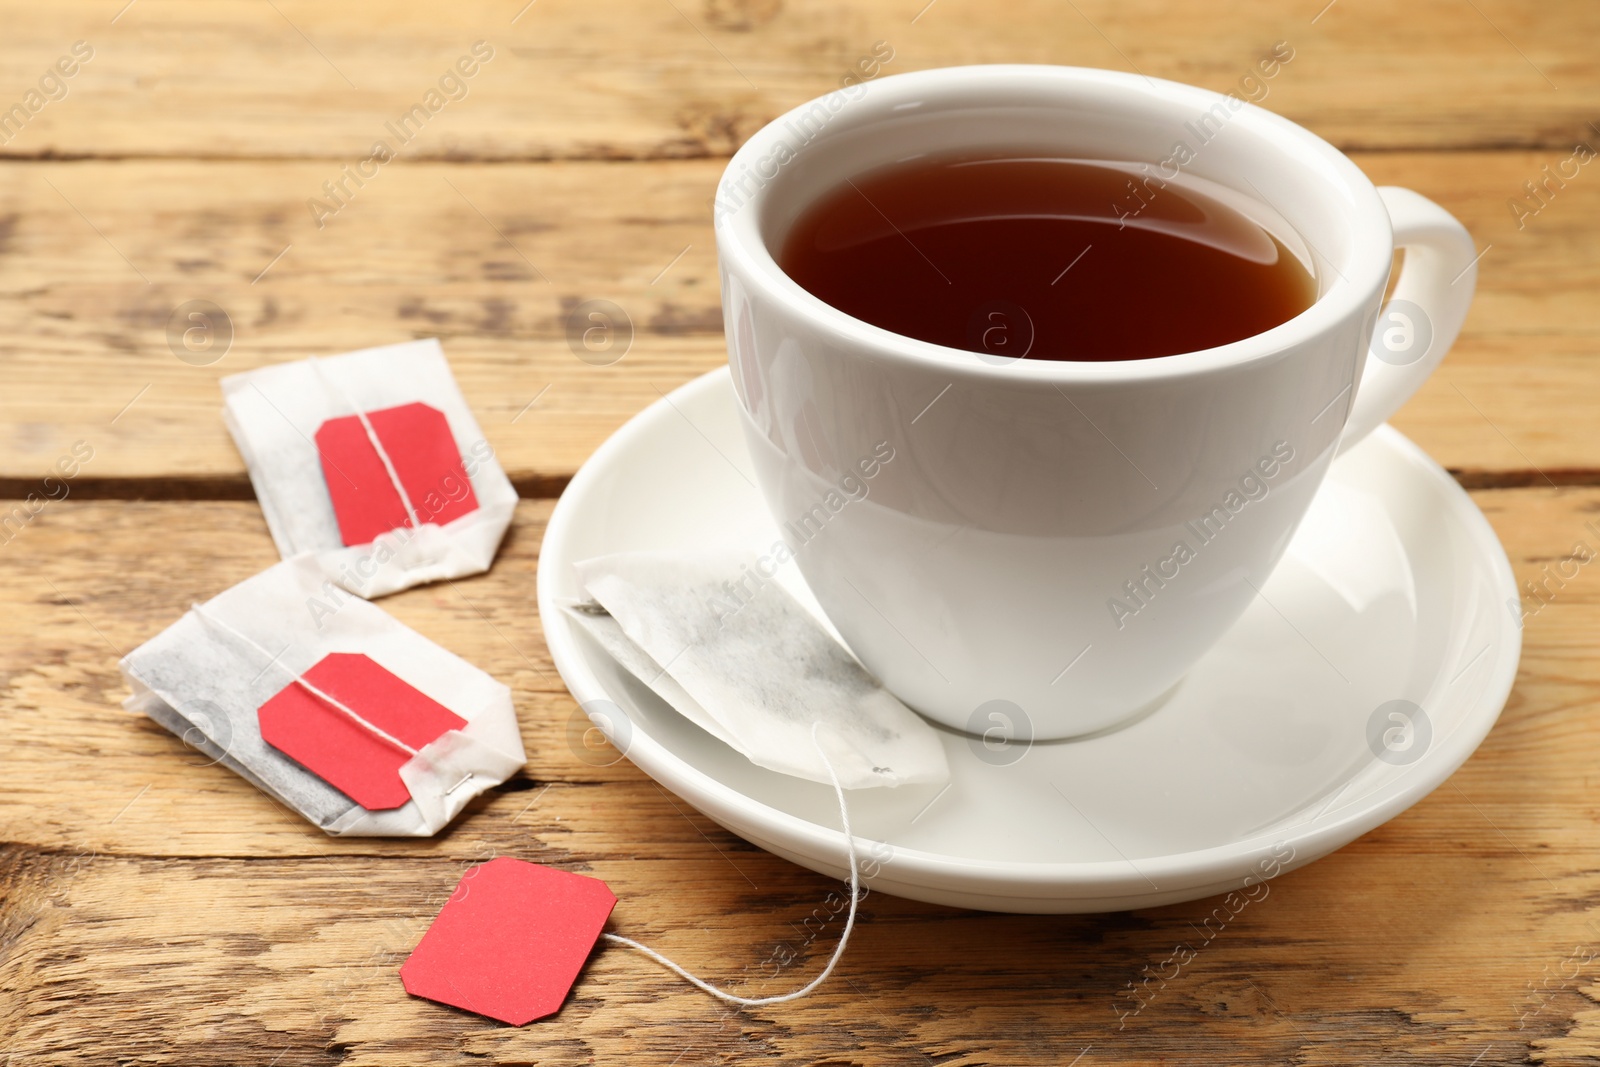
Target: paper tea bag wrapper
[242, 661]
[373, 461]
[756, 671]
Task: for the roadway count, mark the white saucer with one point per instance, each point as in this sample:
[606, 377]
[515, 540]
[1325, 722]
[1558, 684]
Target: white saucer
[1271, 753]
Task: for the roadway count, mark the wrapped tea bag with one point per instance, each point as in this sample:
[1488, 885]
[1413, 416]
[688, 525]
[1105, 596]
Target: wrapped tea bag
[754, 670]
[324, 701]
[373, 461]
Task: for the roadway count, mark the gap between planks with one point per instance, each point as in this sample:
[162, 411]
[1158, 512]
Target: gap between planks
[168, 488]
[235, 487]
[1536, 142]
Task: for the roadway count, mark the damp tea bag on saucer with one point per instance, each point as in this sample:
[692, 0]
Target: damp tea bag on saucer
[752, 668]
[373, 461]
[324, 701]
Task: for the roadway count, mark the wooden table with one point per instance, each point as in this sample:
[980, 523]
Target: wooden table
[156, 910]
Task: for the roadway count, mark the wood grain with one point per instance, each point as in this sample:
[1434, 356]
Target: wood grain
[94, 257]
[648, 79]
[156, 910]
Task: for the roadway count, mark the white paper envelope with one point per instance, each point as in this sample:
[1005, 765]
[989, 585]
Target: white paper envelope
[208, 676]
[280, 417]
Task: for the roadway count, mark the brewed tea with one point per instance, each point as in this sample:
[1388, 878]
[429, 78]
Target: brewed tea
[1047, 258]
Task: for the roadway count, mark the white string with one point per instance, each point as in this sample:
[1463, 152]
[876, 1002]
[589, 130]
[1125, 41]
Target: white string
[372, 437]
[313, 690]
[844, 938]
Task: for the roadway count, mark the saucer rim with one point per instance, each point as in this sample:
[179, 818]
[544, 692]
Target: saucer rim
[950, 875]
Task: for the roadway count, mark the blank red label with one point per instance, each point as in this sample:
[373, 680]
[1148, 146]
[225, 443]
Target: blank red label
[426, 461]
[510, 941]
[352, 758]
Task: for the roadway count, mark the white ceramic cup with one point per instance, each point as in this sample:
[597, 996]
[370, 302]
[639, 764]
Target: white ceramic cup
[1039, 549]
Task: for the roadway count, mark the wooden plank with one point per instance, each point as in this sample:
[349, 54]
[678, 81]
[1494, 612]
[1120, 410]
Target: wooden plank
[152, 910]
[94, 257]
[656, 80]
[491, 260]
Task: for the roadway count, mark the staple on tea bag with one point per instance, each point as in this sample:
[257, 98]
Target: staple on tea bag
[206, 677]
[373, 461]
[757, 672]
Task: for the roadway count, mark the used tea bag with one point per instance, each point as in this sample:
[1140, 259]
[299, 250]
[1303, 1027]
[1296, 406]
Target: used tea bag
[373, 461]
[320, 698]
[755, 671]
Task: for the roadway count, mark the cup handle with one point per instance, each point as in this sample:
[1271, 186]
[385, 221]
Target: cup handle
[1417, 325]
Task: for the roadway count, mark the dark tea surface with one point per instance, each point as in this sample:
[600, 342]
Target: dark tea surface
[1044, 258]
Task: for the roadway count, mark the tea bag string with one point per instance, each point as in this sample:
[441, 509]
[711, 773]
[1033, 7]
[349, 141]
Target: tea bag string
[844, 938]
[372, 438]
[326, 698]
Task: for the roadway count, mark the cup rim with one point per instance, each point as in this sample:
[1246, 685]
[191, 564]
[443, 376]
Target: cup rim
[743, 250]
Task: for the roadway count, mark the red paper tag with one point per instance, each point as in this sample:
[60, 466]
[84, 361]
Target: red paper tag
[510, 941]
[339, 750]
[426, 460]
